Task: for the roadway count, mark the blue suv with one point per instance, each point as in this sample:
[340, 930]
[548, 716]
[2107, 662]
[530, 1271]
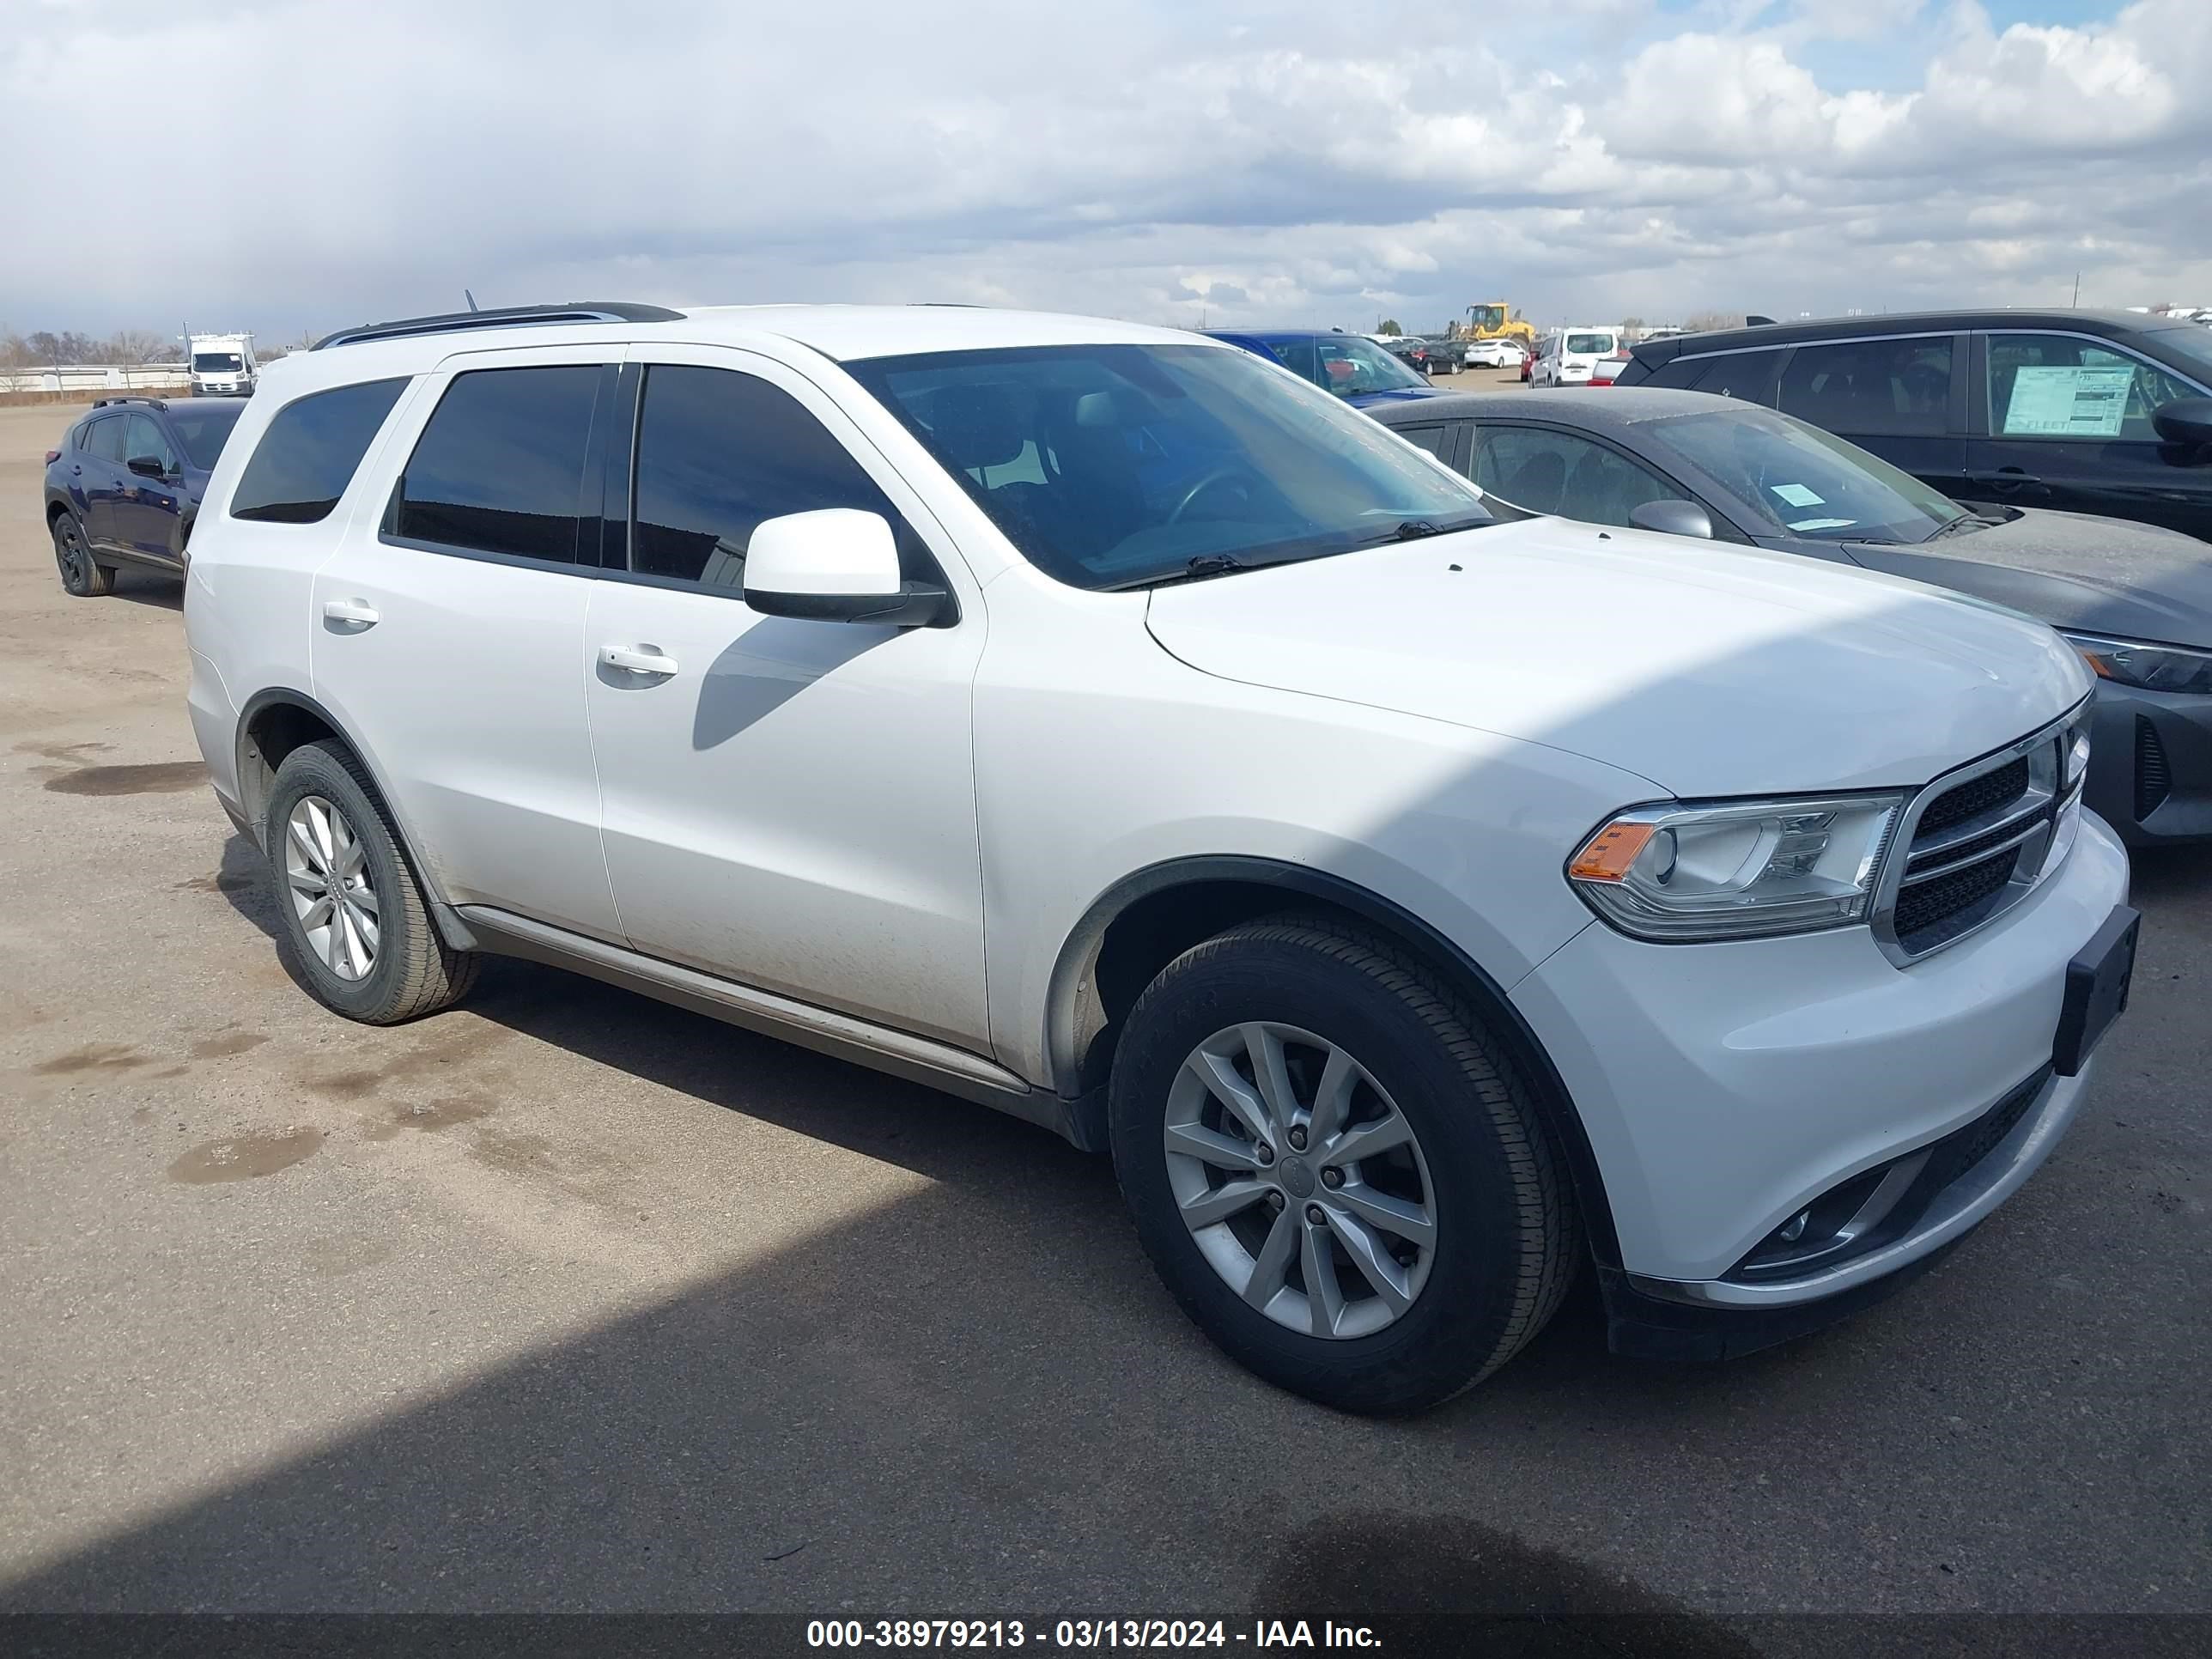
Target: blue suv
[1351, 365]
[126, 483]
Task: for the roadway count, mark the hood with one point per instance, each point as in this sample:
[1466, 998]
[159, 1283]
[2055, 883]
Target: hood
[2072, 571]
[1711, 671]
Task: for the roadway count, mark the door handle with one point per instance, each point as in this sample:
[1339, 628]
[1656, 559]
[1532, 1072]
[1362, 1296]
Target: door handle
[358, 613]
[637, 660]
[2005, 475]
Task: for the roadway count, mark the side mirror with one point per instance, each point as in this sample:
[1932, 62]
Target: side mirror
[2185, 421]
[836, 564]
[1674, 518]
[146, 466]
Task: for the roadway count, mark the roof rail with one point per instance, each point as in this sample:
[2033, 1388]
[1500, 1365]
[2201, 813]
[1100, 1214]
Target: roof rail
[456, 322]
[151, 402]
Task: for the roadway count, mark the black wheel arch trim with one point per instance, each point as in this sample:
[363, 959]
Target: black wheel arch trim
[1067, 1041]
[456, 931]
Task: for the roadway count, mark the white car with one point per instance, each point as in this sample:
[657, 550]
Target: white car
[1101, 723]
[1571, 356]
[1494, 353]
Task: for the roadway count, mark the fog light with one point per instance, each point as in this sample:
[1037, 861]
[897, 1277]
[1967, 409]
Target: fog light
[1794, 1229]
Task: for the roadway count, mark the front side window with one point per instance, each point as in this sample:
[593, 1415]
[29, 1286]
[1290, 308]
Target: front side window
[1119, 465]
[1882, 387]
[309, 452]
[1801, 481]
[2054, 385]
[146, 440]
[203, 426]
[104, 440]
[1549, 471]
[718, 453]
[500, 468]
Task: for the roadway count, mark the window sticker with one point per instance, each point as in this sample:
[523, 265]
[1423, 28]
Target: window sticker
[2068, 401]
[1822, 524]
[1797, 495]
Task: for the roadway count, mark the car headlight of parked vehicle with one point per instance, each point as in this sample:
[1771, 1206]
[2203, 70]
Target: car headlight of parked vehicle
[1691, 870]
[2152, 667]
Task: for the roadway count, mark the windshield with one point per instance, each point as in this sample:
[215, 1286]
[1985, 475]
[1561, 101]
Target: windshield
[1346, 364]
[1805, 482]
[216, 362]
[202, 426]
[1115, 466]
[1486, 316]
[1590, 345]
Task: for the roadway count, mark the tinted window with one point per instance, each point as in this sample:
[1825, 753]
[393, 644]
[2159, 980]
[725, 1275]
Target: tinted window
[500, 468]
[1114, 465]
[203, 427]
[718, 452]
[1431, 438]
[308, 455]
[1746, 374]
[1547, 471]
[1803, 481]
[145, 438]
[2052, 385]
[104, 439]
[1876, 386]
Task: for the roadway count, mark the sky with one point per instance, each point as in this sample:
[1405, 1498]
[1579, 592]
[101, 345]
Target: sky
[295, 166]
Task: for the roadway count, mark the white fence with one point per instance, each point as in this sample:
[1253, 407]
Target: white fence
[97, 377]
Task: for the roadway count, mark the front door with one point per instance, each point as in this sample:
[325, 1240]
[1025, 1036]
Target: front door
[146, 514]
[2067, 423]
[447, 626]
[102, 478]
[789, 804]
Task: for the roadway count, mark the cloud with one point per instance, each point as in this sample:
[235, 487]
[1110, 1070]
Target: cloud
[303, 166]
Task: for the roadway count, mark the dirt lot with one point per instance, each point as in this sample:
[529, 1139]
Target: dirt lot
[566, 1300]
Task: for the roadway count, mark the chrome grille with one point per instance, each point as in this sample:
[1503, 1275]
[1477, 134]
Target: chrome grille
[1974, 842]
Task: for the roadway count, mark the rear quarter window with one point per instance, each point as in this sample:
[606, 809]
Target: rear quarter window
[310, 451]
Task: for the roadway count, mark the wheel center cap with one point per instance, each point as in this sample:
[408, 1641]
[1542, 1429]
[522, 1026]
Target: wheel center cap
[1297, 1177]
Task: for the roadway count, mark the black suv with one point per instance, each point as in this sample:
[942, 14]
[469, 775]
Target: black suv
[2090, 411]
[126, 483]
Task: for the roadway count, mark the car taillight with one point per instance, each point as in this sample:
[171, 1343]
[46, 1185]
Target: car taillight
[53, 455]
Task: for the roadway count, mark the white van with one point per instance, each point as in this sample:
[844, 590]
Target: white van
[222, 366]
[1570, 356]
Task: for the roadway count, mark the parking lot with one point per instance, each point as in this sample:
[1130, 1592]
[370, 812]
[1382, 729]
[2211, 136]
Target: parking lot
[568, 1300]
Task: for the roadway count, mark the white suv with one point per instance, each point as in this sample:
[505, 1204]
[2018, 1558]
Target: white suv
[1102, 724]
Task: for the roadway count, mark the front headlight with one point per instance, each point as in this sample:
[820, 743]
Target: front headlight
[2153, 667]
[1718, 870]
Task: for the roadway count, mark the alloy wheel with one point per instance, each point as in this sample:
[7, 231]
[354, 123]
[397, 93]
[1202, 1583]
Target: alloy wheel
[326, 874]
[70, 555]
[1301, 1181]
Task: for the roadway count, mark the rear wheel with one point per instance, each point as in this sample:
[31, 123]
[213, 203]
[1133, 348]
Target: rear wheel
[1334, 1168]
[82, 576]
[357, 928]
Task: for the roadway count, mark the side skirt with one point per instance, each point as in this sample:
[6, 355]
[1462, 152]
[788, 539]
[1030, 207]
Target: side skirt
[918, 1060]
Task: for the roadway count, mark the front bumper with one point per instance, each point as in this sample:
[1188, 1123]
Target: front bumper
[2150, 766]
[1725, 1088]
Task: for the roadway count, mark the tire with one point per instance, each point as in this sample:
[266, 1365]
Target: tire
[82, 576]
[408, 971]
[1503, 1246]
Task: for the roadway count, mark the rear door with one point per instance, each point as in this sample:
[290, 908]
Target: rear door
[2065, 421]
[449, 624]
[103, 477]
[146, 513]
[1900, 397]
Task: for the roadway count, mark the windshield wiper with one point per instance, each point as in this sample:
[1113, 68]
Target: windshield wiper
[1214, 564]
[1964, 522]
[1415, 529]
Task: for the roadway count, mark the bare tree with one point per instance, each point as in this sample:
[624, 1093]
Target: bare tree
[1701, 322]
[1633, 328]
[133, 345]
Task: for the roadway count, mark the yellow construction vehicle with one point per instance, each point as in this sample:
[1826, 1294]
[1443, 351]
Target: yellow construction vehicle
[1493, 320]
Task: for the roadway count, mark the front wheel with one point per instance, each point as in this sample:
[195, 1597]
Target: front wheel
[1335, 1168]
